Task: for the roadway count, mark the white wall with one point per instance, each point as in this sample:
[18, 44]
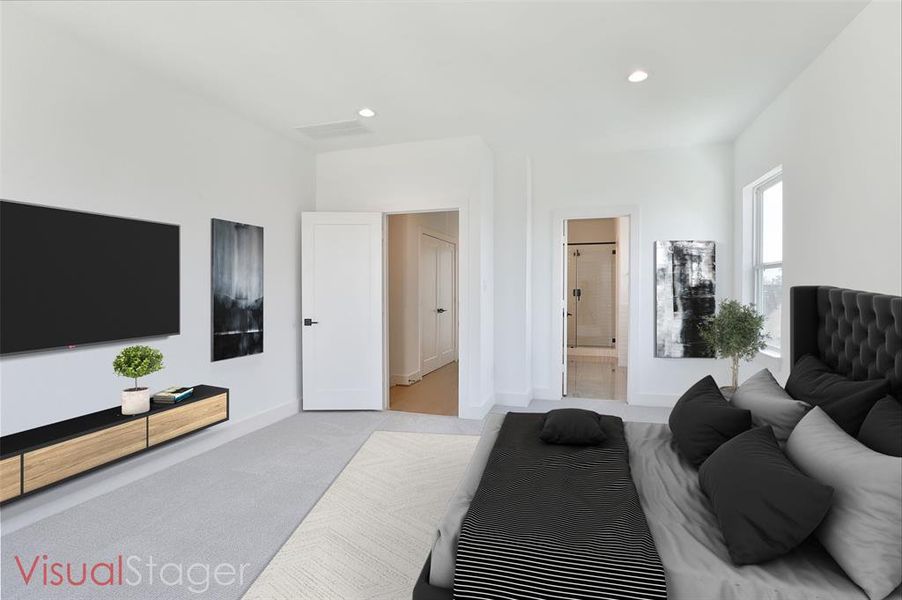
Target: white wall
[449, 174]
[837, 132]
[679, 193]
[513, 277]
[403, 288]
[83, 130]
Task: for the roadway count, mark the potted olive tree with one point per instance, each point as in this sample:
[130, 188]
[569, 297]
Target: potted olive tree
[135, 362]
[735, 332]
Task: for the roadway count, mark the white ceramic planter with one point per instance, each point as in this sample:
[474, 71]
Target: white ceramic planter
[135, 402]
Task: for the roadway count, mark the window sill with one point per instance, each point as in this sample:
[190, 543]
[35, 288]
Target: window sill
[770, 359]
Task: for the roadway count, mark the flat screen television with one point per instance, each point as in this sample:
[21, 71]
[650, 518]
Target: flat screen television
[69, 278]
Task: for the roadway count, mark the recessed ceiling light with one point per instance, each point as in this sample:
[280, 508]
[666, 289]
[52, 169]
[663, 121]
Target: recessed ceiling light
[366, 112]
[637, 76]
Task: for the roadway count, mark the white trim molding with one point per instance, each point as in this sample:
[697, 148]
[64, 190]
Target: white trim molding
[557, 282]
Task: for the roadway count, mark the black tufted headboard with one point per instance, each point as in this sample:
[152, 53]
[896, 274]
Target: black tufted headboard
[857, 334]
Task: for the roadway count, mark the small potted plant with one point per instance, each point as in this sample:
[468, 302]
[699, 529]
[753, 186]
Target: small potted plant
[735, 332]
[135, 362]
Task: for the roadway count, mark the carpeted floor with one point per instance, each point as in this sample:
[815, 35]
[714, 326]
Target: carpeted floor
[234, 505]
[368, 535]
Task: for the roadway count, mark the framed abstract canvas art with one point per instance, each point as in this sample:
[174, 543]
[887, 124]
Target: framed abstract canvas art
[684, 297]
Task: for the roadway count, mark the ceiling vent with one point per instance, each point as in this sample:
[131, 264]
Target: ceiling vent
[323, 131]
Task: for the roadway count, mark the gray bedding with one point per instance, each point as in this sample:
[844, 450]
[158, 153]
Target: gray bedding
[685, 531]
[692, 549]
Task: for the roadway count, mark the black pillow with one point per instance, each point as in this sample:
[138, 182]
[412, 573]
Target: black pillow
[846, 401]
[573, 426]
[764, 505]
[702, 420]
[882, 428]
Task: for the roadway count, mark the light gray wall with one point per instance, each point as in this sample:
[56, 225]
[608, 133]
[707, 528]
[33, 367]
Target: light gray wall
[82, 130]
[837, 132]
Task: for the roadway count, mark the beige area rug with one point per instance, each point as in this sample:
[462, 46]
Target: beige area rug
[370, 533]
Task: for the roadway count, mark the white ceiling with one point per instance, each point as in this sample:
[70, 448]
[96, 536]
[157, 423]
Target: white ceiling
[516, 73]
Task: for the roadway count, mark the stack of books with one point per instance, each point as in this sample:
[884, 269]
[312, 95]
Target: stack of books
[172, 395]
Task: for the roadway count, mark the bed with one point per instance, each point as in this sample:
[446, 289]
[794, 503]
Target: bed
[857, 334]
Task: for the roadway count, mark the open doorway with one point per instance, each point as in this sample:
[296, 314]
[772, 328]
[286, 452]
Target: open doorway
[596, 288]
[422, 268]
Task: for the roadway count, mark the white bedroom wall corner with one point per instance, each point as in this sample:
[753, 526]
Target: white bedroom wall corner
[485, 194]
[184, 162]
[512, 277]
[841, 153]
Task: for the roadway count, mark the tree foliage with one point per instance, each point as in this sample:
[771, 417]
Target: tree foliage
[138, 361]
[735, 332]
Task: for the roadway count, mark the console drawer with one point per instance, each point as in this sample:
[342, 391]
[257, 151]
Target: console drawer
[58, 461]
[185, 419]
[10, 477]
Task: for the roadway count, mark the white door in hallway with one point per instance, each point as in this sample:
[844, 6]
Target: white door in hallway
[341, 302]
[438, 303]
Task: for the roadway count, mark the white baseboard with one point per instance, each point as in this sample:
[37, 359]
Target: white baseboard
[49, 502]
[513, 398]
[477, 412]
[408, 379]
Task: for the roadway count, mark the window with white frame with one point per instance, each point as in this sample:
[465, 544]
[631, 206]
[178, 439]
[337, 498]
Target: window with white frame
[767, 261]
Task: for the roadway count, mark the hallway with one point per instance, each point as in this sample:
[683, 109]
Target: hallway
[435, 394]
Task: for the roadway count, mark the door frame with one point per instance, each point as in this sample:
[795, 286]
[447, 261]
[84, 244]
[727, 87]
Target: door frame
[558, 364]
[461, 289]
[421, 231]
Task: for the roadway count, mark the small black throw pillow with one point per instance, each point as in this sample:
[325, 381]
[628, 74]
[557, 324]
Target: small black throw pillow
[846, 401]
[882, 428]
[702, 420]
[572, 426]
[764, 505]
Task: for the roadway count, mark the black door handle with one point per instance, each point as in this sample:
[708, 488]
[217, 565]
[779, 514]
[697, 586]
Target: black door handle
[440, 310]
[309, 322]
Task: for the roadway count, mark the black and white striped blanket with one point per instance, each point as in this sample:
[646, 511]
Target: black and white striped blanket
[557, 522]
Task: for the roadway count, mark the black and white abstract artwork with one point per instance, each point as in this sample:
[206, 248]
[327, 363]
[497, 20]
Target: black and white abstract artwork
[237, 286]
[684, 297]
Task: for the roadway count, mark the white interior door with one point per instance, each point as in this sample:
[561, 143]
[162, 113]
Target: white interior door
[446, 309]
[341, 297]
[437, 303]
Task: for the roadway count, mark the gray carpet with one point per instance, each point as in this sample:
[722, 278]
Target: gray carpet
[236, 504]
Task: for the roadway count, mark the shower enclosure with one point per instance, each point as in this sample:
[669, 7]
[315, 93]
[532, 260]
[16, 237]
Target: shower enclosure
[590, 303]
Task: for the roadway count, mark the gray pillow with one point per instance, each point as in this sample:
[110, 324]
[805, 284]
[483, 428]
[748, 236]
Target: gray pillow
[769, 404]
[861, 530]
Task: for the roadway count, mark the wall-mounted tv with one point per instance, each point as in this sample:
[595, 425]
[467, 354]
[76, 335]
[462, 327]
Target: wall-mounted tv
[69, 278]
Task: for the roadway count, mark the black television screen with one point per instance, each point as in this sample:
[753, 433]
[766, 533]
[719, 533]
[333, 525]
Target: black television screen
[70, 278]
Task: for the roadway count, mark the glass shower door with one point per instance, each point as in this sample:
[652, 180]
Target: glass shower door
[591, 305]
